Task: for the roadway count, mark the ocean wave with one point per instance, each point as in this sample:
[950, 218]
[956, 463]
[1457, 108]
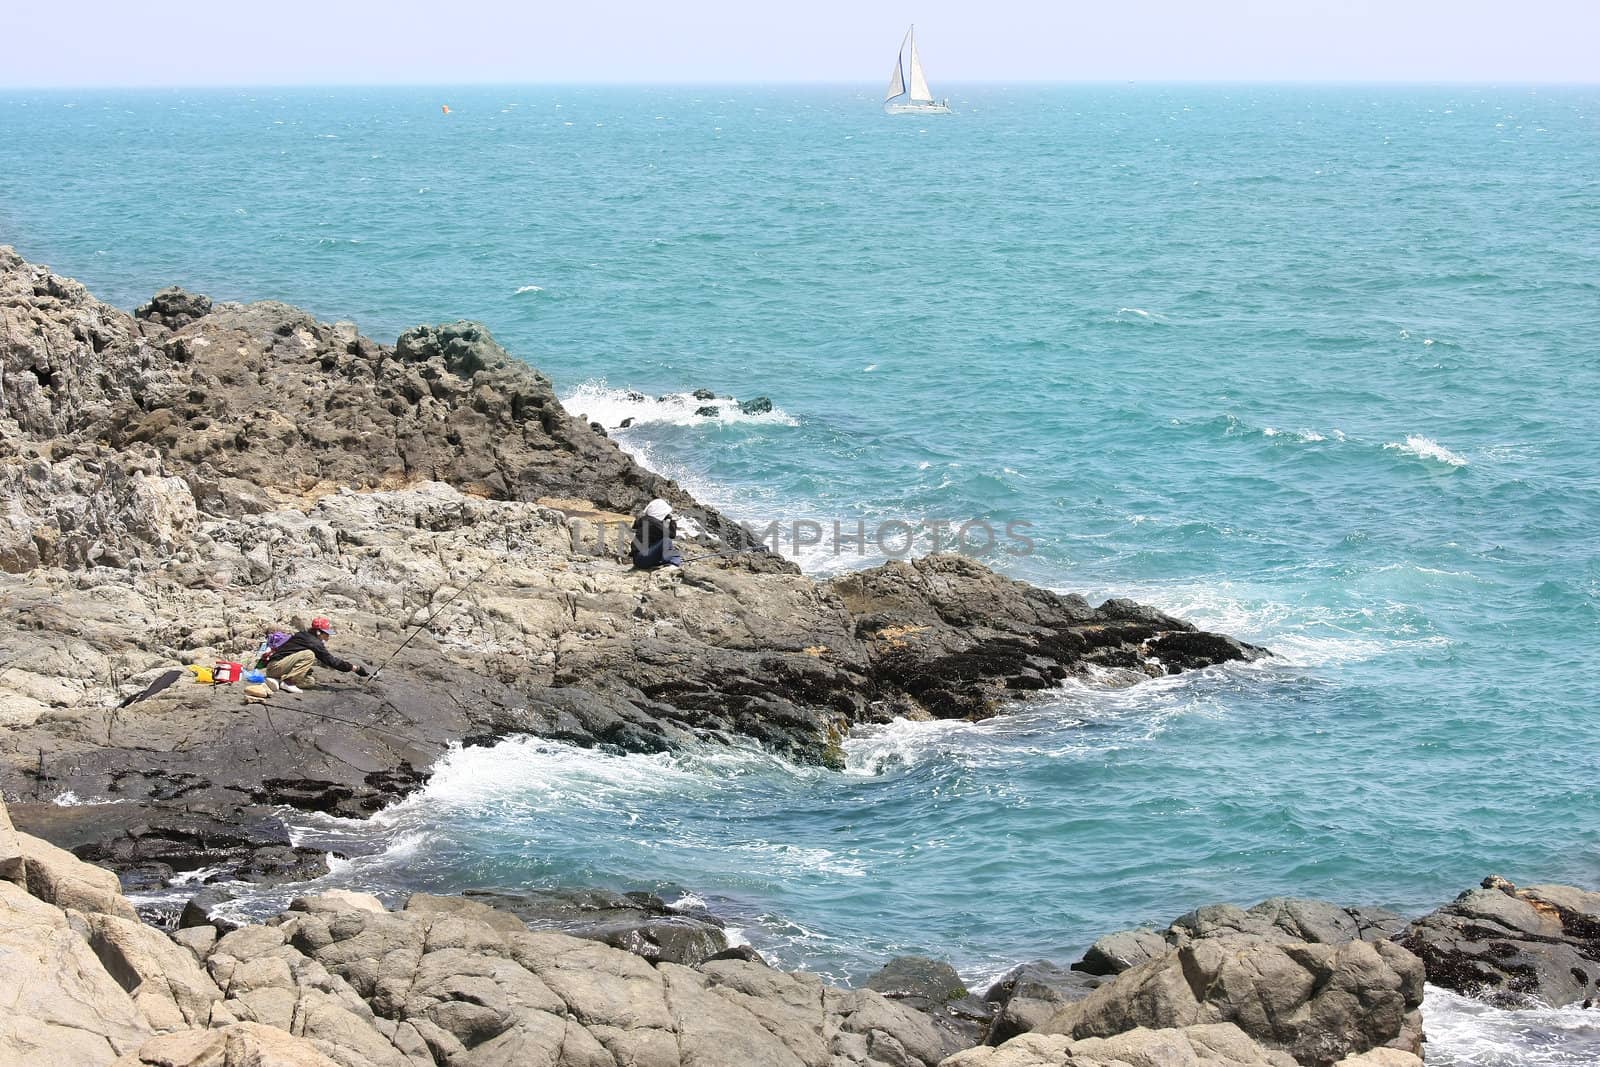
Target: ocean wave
[530, 289]
[610, 407]
[1463, 1032]
[1427, 448]
[1307, 436]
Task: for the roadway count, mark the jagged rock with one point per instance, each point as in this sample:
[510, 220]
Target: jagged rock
[1278, 920]
[60, 878]
[1538, 944]
[918, 981]
[1027, 996]
[60, 1005]
[759, 405]
[168, 987]
[174, 308]
[708, 411]
[1317, 1002]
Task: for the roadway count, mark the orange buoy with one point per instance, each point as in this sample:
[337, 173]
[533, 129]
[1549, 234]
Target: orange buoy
[445, 108]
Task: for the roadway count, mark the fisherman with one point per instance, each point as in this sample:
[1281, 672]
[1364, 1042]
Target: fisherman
[290, 666]
[653, 532]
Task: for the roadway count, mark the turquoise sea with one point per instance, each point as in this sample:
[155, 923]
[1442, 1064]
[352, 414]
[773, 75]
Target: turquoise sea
[1316, 366]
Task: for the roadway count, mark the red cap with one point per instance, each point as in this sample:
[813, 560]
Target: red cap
[320, 623]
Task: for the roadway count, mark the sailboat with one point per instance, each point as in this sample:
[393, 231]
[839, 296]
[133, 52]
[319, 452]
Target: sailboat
[917, 99]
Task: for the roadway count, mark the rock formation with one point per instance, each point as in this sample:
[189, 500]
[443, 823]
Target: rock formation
[1536, 945]
[179, 482]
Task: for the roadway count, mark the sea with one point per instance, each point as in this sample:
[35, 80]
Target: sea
[1315, 366]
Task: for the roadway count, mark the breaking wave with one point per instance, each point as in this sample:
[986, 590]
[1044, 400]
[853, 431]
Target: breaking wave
[1427, 448]
[610, 407]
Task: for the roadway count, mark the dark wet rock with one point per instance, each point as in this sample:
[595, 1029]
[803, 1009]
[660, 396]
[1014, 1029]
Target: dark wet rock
[744, 953]
[918, 981]
[625, 423]
[174, 308]
[640, 923]
[283, 863]
[197, 912]
[703, 394]
[708, 411]
[145, 877]
[1539, 944]
[934, 988]
[759, 405]
[1030, 994]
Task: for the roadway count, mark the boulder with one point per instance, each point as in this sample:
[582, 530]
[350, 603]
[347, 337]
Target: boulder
[1319, 1003]
[60, 878]
[1208, 1045]
[174, 308]
[1514, 947]
[759, 405]
[59, 1004]
[166, 984]
[1026, 997]
[918, 981]
[13, 867]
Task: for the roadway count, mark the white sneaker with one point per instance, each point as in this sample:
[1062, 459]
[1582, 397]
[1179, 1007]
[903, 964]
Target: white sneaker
[287, 688]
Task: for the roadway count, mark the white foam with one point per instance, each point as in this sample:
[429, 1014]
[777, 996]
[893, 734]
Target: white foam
[1463, 1032]
[530, 289]
[1308, 436]
[1427, 448]
[611, 407]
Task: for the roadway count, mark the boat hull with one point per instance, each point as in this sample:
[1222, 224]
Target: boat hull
[917, 109]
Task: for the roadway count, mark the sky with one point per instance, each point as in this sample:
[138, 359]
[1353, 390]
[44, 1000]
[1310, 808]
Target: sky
[452, 42]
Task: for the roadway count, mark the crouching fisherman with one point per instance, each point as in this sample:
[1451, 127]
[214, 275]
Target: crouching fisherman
[653, 532]
[292, 663]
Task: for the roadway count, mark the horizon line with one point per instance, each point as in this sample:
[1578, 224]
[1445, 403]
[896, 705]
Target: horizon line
[741, 84]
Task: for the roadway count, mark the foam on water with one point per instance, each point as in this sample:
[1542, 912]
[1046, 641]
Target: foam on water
[611, 407]
[1427, 448]
[1463, 1032]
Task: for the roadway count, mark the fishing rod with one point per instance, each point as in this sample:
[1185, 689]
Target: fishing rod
[429, 621]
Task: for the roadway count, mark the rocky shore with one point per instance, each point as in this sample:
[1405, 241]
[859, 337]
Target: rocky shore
[339, 979]
[178, 482]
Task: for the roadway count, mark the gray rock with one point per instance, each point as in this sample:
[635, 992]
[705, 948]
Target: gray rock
[1317, 1002]
[759, 405]
[1027, 996]
[918, 981]
[174, 308]
[1514, 947]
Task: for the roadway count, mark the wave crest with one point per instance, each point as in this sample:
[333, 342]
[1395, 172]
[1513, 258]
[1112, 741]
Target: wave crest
[611, 407]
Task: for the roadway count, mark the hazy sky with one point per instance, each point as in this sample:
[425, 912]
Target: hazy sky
[126, 42]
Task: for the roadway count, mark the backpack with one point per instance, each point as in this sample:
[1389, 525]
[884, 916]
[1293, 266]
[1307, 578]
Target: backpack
[274, 641]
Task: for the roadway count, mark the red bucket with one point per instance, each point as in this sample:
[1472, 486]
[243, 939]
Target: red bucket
[227, 673]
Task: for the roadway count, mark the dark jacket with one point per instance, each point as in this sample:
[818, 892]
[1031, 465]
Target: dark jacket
[308, 641]
[652, 544]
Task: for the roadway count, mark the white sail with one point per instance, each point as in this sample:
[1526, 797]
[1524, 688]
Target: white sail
[915, 98]
[897, 81]
[920, 93]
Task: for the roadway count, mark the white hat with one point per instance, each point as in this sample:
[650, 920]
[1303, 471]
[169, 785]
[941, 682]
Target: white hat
[658, 510]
